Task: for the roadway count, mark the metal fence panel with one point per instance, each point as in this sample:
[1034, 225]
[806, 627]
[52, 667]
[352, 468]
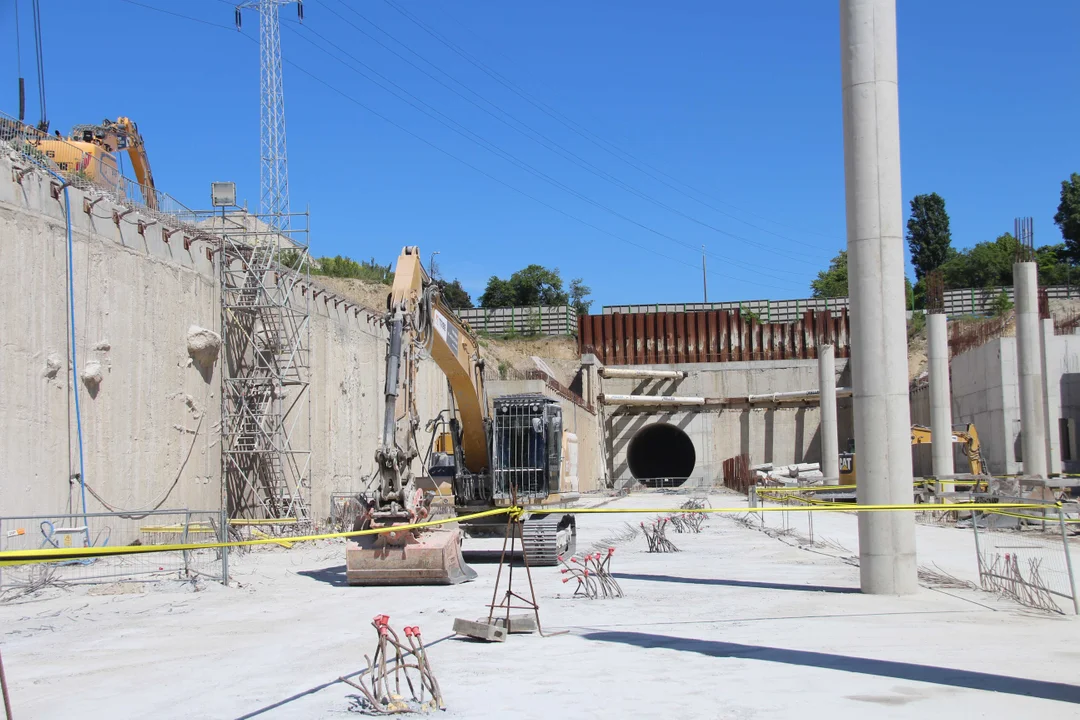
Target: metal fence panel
[1024, 555]
[158, 527]
[958, 302]
[540, 320]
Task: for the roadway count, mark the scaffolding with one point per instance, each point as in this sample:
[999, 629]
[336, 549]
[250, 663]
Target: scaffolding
[266, 338]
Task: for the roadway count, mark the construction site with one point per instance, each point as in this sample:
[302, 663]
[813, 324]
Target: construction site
[236, 485]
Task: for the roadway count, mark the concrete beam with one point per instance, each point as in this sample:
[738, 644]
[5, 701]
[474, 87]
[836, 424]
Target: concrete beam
[940, 395]
[609, 399]
[887, 563]
[1029, 369]
[642, 374]
[830, 442]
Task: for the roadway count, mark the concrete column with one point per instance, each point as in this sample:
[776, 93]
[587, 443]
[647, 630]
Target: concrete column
[876, 286]
[940, 395]
[830, 447]
[1029, 369]
[1051, 375]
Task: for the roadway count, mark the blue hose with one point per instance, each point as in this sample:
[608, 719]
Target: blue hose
[74, 359]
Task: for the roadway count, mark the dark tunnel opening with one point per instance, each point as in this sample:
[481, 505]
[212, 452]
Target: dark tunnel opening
[661, 455]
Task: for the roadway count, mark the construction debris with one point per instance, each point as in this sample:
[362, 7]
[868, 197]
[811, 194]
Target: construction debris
[394, 660]
[593, 575]
[655, 537]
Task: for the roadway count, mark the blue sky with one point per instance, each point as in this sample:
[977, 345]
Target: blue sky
[609, 139]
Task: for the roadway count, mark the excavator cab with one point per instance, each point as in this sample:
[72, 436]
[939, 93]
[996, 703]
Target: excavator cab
[526, 439]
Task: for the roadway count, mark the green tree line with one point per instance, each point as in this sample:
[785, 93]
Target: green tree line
[985, 264]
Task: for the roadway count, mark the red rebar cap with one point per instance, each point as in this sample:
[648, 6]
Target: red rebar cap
[381, 620]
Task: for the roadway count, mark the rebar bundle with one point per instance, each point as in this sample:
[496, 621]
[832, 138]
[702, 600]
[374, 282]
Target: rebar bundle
[392, 662]
[1004, 575]
[593, 575]
[655, 537]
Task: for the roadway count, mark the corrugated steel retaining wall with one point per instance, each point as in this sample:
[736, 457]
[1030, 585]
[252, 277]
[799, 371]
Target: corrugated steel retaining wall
[712, 336]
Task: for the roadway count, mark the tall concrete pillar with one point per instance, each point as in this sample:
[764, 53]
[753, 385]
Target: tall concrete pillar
[940, 396]
[1029, 368]
[1051, 374]
[876, 286]
[830, 444]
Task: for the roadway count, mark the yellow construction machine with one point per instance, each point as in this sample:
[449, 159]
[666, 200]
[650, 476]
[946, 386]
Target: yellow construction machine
[968, 438]
[494, 459]
[91, 150]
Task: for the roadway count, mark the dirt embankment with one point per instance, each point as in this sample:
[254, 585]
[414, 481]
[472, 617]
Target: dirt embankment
[513, 355]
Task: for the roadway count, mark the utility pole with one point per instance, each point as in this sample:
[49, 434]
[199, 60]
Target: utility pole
[273, 157]
[704, 277]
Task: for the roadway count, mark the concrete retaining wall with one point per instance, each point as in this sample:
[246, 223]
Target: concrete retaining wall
[780, 434]
[151, 430]
[986, 393]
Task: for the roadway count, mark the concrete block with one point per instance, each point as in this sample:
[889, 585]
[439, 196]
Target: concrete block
[488, 632]
[519, 624]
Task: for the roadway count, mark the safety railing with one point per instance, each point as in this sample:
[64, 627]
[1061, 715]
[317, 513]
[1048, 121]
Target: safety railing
[96, 173]
[157, 527]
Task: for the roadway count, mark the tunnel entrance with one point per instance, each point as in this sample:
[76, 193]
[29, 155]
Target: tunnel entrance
[661, 455]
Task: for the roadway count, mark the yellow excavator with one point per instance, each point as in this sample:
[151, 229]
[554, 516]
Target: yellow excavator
[494, 459]
[968, 438]
[91, 150]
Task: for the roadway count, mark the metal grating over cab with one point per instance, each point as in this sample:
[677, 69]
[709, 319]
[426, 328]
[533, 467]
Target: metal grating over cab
[526, 446]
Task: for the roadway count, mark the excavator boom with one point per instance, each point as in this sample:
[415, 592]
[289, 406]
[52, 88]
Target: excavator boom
[418, 323]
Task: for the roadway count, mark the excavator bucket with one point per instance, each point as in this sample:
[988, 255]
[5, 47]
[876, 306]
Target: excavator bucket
[432, 558]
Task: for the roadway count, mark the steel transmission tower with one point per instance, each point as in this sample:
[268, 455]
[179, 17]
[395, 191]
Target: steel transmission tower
[274, 162]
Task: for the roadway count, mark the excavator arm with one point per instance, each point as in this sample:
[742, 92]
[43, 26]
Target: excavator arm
[123, 135]
[419, 322]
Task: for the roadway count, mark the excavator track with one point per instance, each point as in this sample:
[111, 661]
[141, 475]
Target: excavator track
[546, 537]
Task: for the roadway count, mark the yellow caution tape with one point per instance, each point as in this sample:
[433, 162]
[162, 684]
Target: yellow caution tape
[828, 507]
[805, 488]
[21, 557]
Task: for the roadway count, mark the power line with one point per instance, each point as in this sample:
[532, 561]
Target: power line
[451, 155]
[633, 161]
[181, 16]
[547, 142]
[43, 123]
[509, 157]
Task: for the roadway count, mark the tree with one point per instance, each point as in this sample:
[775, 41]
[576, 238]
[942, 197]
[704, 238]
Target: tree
[578, 292]
[1067, 217]
[832, 282]
[928, 236]
[498, 293]
[532, 285]
[537, 285]
[454, 295]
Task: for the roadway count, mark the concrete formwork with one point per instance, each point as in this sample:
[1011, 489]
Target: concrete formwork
[876, 282]
[780, 433]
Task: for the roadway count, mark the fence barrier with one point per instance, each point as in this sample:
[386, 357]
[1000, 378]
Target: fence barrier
[539, 320]
[1025, 556]
[196, 537]
[958, 302]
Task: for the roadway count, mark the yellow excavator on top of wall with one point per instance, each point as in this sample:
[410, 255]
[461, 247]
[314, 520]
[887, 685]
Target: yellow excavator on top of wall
[91, 150]
[510, 455]
[968, 437]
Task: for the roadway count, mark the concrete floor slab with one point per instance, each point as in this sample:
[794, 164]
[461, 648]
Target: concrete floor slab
[736, 625]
